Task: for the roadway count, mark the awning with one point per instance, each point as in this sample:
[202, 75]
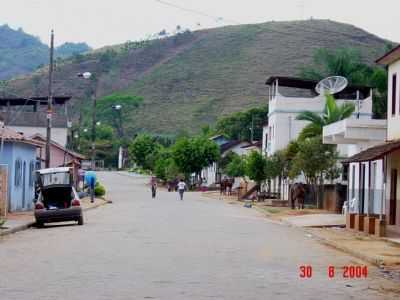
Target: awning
[374, 153]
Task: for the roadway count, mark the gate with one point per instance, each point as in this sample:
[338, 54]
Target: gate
[3, 191]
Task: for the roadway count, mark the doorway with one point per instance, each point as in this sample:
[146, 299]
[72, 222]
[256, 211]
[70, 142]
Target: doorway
[393, 197]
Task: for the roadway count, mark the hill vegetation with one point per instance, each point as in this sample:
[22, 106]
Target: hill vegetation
[22, 53]
[191, 79]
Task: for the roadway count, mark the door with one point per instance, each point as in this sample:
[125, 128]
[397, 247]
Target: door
[393, 196]
[24, 185]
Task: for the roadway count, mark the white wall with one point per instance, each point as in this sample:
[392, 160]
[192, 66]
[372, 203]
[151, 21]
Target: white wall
[282, 123]
[373, 193]
[394, 120]
[58, 135]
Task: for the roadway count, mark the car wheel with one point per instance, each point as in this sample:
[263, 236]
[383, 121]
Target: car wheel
[80, 220]
[39, 224]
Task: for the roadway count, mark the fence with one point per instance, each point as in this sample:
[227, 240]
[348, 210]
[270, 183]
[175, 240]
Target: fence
[3, 191]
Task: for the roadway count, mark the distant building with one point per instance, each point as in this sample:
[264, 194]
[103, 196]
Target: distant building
[212, 174]
[29, 116]
[19, 154]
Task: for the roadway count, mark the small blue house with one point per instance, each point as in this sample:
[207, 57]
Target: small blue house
[19, 154]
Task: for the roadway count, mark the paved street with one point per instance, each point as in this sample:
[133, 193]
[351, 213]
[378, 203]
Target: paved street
[163, 248]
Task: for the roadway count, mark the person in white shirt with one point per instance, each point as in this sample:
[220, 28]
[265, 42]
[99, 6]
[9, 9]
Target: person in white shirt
[181, 188]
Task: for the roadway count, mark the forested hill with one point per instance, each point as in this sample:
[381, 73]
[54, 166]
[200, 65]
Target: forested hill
[22, 53]
[189, 79]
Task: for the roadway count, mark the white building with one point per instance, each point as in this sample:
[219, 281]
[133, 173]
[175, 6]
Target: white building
[365, 180]
[212, 174]
[380, 217]
[283, 110]
[287, 98]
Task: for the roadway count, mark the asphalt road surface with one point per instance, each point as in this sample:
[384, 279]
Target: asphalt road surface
[164, 248]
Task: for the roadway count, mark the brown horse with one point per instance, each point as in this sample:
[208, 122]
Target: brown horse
[298, 192]
[226, 186]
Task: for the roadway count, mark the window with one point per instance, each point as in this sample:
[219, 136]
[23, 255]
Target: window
[18, 173]
[394, 93]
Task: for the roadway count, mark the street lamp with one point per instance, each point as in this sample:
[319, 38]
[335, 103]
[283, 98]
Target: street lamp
[88, 75]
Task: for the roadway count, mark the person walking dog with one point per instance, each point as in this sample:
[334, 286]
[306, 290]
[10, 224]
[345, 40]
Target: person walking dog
[181, 188]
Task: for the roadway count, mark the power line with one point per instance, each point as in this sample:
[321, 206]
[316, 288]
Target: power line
[197, 12]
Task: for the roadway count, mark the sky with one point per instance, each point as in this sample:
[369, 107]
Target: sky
[106, 22]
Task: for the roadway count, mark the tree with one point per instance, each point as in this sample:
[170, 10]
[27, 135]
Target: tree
[236, 167]
[141, 149]
[348, 62]
[256, 167]
[191, 155]
[226, 159]
[331, 114]
[314, 160]
[239, 126]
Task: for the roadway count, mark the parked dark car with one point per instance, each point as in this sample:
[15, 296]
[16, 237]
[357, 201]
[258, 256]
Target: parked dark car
[58, 200]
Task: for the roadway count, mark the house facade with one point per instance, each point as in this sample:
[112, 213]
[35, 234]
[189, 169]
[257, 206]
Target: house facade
[381, 217]
[18, 153]
[59, 156]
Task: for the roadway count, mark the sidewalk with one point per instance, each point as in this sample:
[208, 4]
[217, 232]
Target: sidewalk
[328, 229]
[23, 220]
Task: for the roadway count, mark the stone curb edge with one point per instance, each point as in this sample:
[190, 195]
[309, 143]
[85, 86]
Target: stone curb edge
[30, 224]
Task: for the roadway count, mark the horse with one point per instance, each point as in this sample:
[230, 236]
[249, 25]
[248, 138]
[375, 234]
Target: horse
[297, 192]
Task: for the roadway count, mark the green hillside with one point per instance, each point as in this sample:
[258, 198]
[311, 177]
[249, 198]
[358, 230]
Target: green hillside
[22, 53]
[190, 79]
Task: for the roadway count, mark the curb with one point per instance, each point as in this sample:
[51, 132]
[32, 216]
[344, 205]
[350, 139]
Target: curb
[372, 260]
[16, 229]
[378, 262]
[30, 224]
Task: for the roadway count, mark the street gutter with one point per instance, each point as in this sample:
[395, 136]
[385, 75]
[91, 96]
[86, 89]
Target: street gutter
[27, 225]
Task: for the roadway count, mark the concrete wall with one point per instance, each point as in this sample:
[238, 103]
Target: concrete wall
[374, 192]
[394, 120]
[20, 196]
[58, 135]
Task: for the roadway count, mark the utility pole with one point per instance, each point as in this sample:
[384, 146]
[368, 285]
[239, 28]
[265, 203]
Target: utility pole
[49, 102]
[93, 162]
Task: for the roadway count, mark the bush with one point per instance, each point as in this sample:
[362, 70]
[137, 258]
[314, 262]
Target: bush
[99, 190]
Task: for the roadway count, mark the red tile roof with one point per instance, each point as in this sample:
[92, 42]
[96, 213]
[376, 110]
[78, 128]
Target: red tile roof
[390, 56]
[10, 135]
[38, 137]
[374, 153]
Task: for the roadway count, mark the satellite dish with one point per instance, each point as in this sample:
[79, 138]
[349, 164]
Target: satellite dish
[331, 85]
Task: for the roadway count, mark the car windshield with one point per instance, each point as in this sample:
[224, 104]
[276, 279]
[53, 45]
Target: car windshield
[62, 178]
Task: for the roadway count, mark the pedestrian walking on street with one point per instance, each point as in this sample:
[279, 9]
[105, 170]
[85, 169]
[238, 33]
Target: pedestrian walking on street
[153, 184]
[181, 188]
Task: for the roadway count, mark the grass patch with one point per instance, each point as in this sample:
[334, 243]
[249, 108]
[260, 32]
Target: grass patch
[272, 210]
